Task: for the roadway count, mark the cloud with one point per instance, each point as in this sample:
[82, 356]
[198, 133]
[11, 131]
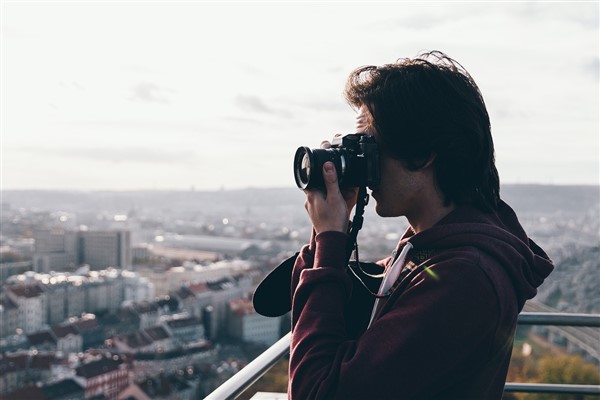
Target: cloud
[73, 85]
[139, 155]
[592, 67]
[143, 126]
[256, 105]
[150, 92]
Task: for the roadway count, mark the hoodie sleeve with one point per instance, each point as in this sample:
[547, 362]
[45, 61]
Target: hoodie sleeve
[444, 320]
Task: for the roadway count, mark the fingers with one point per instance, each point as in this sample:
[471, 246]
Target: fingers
[327, 208]
[330, 179]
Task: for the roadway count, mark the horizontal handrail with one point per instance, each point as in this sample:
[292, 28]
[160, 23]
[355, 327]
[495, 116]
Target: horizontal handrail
[553, 388]
[241, 381]
[559, 319]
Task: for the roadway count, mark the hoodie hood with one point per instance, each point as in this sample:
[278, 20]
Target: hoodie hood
[498, 234]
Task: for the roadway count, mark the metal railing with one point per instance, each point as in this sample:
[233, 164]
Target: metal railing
[252, 372]
[241, 381]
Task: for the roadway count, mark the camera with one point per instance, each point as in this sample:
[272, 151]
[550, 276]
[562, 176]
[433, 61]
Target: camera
[356, 160]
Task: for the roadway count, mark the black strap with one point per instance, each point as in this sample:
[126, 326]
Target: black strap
[357, 221]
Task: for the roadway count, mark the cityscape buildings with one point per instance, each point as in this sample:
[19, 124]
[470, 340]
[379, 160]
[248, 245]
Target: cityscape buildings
[87, 312]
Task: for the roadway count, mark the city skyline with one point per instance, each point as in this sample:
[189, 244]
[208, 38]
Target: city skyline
[156, 95]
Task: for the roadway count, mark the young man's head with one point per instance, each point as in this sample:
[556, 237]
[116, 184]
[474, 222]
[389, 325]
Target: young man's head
[428, 112]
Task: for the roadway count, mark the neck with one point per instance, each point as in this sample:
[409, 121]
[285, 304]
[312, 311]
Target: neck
[422, 222]
[429, 210]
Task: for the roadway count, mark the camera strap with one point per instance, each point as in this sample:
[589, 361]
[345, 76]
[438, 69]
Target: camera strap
[357, 221]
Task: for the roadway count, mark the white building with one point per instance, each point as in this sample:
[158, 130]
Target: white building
[184, 328]
[31, 301]
[191, 272]
[247, 325]
[68, 339]
[137, 288]
[9, 316]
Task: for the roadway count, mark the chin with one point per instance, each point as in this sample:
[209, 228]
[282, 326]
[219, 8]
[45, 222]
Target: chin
[387, 212]
[382, 211]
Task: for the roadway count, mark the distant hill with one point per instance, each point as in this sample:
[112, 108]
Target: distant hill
[523, 198]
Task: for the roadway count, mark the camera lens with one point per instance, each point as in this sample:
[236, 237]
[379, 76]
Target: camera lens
[308, 166]
[303, 166]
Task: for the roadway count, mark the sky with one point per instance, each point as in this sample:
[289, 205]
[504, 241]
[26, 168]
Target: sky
[218, 95]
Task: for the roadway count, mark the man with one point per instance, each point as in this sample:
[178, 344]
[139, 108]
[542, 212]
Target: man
[443, 325]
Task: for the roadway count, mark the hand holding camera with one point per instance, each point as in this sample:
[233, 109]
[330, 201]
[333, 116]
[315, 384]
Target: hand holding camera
[350, 195]
[327, 208]
[331, 176]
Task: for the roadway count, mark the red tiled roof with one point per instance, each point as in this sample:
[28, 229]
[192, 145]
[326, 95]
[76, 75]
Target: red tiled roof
[27, 291]
[197, 288]
[241, 307]
[21, 361]
[60, 331]
[29, 393]
[39, 338]
[84, 325]
[42, 361]
[99, 367]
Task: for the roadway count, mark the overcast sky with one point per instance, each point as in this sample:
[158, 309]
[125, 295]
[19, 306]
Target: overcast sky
[174, 95]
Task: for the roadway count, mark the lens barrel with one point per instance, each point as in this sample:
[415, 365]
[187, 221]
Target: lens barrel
[308, 166]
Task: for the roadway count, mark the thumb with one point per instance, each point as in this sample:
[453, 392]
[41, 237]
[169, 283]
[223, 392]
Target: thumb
[330, 178]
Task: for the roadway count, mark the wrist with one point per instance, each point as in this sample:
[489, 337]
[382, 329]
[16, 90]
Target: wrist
[330, 249]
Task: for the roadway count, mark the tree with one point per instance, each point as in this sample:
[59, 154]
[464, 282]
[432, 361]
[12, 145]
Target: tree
[566, 369]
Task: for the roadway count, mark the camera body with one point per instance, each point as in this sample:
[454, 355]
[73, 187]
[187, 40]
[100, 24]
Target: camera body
[356, 160]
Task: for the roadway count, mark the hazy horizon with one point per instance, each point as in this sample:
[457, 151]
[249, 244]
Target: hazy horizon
[266, 188]
[122, 96]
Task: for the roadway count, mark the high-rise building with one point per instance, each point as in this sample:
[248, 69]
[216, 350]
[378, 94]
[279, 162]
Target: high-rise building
[59, 250]
[54, 250]
[103, 249]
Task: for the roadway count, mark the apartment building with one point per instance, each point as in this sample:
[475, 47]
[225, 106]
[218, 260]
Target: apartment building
[107, 375]
[31, 302]
[247, 325]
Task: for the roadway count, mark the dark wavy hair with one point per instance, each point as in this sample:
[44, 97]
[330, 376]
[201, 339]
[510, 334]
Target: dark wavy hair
[430, 107]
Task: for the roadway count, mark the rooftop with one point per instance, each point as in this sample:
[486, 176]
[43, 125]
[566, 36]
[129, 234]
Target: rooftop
[39, 338]
[27, 291]
[156, 333]
[99, 367]
[61, 331]
[183, 322]
[242, 307]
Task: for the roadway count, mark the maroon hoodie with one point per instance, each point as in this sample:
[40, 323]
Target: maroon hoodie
[445, 333]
